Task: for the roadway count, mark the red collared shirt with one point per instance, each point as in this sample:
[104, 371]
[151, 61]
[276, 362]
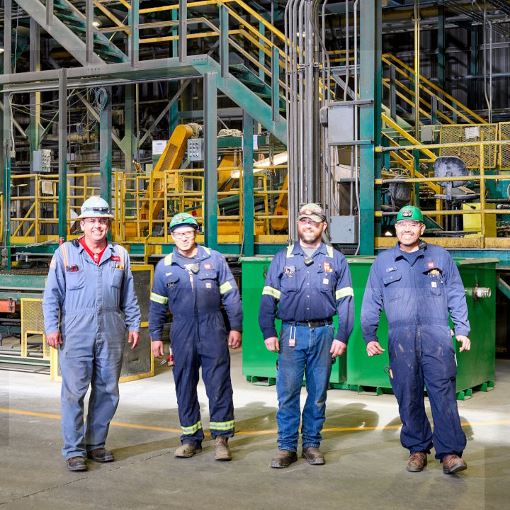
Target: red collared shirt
[96, 257]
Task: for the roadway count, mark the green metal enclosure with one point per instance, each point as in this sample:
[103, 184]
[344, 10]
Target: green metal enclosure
[357, 371]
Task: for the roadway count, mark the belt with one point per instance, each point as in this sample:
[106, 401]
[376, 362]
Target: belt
[314, 324]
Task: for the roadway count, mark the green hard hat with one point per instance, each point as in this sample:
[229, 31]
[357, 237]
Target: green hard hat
[183, 219]
[410, 212]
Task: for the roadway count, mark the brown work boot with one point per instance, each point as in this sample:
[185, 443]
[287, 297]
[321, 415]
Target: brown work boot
[76, 464]
[283, 459]
[100, 455]
[187, 450]
[221, 449]
[417, 461]
[453, 464]
[313, 456]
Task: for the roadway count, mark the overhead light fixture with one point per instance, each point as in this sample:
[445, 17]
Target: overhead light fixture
[1, 50]
[96, 23]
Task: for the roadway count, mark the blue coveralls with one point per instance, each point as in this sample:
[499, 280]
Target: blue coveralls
[198, 334]
[305, 298]
[91, 305]
[416, 292]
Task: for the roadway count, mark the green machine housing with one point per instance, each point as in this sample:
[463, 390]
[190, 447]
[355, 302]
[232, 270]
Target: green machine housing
[357, 371]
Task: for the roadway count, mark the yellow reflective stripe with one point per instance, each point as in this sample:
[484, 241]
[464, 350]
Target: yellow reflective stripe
[329, 250]
[290, 249]
[64, 254]
[162, 300]
[225, 287]
[207, 250]
[221, 425]
[270, 291]
[168, 260]
[346, 291]
[192, 429]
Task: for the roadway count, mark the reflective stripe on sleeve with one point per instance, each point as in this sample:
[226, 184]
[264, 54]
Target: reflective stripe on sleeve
[270, 291]
[191, 429]
[225, 287]
[162, 300]
[329, 251]
[344, 292]
[221, 425]
[168, 260]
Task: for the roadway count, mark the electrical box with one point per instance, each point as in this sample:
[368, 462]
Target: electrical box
[41, 161]
[196, 149]
[340, 122]
[343, 229]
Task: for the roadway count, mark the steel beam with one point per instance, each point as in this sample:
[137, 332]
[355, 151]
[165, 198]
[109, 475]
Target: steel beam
[105, 147]
[370, 116]
[134, 37]
[62, 156]
[89, 36]
[210, 93]
[183, 28]
[248, 198]
[224, 48]
[129, 141]
[35, 97]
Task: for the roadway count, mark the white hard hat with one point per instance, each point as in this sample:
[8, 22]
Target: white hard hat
[95, 207]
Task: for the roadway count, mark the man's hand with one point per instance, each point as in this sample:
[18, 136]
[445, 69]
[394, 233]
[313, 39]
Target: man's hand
[272, 344]
[465, 341]
[133, 338]
[337, 348]
[157, 348]
[374, 348]
[234, 339]
[54, 339]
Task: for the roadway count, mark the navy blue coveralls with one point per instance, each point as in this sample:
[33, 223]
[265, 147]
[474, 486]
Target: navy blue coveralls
[305, 297]
[198, 335]
[417, 291]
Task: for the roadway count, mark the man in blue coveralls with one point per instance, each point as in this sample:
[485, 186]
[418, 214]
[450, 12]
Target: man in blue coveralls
[417, 284]
[306, 285]
[193, 282]
[88, 302]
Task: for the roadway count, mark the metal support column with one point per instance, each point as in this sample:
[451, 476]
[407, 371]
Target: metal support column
[89, 36]
[6, 141]
[275, 83]
[105, 145]
[183, 28]
[62, 155]
[129, 142]
[34, 131]
[173, 117]
[134, 37]
[211, 155]
[441, 46]
[370, 116]
[224, 57]
[248, 198]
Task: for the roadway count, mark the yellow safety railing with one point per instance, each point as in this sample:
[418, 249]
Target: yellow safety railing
[453, 111]
[479, 217]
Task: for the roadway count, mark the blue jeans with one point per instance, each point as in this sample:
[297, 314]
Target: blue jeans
[310, 357]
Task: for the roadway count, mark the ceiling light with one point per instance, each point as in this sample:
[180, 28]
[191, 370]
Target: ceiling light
[97, 24]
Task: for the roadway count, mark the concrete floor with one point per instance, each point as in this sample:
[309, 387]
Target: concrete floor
[365, 463]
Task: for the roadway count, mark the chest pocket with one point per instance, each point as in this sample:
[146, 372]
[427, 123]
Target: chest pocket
[435, 283]
[118, 277]
[391, 286]
[75, 280]
[172, 281]
[326, 276]
[208, 280]
[288, 280]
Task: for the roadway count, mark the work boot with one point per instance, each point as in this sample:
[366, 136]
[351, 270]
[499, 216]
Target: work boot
[313, 456]
[187, 450]
[100, 455]
[76, 464]
[453, 464]
[417, 461]
[283, 459]
[221, 449]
